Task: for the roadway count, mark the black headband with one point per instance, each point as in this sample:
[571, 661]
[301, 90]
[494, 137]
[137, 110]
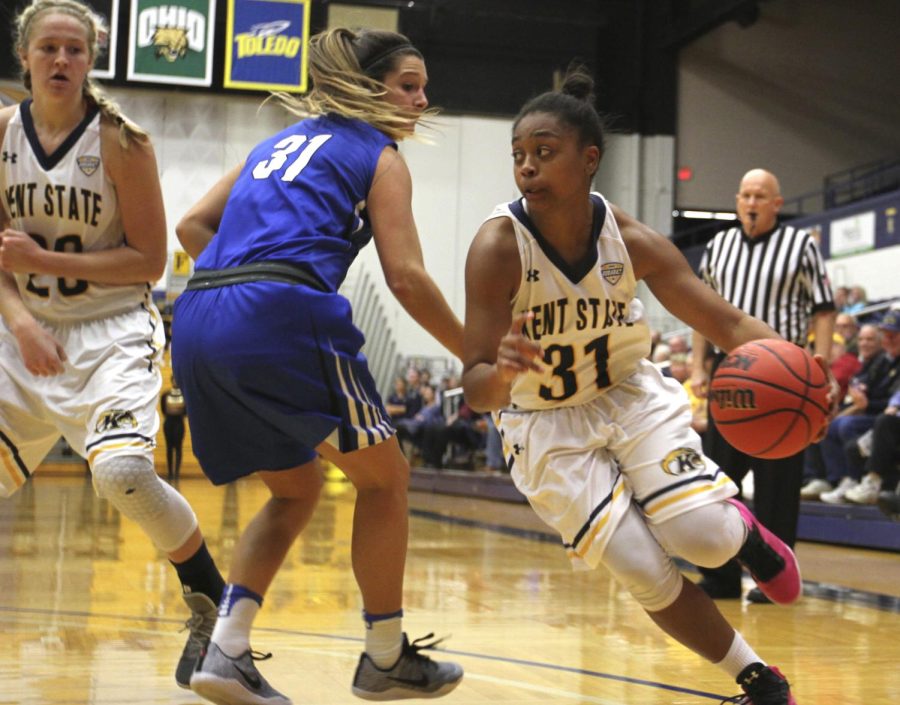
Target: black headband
[369, 63]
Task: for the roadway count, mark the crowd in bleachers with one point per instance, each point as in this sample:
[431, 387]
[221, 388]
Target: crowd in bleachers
[857, 461]
[435, 426]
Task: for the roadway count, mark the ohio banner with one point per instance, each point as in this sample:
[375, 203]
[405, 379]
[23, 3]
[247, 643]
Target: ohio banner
[171, 42]
[108, 11]
[266, 45]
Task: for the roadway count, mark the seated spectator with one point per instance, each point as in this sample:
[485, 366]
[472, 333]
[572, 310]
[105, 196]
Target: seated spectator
[816, 482]
[414, 400]
[844, 364]
[448, 381]
[411, 429]
[869, 395]
[846, 325]
[841, 296]
[396, 401]
[856, 300]
[465, 429]
[678, 345]
[876, 454]
[680, 367]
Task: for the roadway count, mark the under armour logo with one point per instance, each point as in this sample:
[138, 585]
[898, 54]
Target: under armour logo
[517, 448]
[7, 157]
[533, 275]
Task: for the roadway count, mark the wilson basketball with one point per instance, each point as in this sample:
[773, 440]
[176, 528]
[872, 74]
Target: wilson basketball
[768, 398]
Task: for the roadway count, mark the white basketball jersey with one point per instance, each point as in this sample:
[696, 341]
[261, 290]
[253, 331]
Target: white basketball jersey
[586, 318]
[67, 204]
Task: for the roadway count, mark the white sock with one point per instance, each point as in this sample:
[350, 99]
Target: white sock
[739, 656]
[236, 614]
[384, 638]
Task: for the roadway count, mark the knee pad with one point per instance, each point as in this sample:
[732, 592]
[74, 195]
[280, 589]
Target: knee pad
[707, 536]
[131, 484]
[639, 563]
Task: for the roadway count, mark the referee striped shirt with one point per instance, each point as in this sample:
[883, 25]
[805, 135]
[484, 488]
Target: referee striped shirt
[778, 277]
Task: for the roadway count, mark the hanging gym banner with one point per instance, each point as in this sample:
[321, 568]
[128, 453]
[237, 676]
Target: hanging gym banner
[266, 45]
[171, 42]
[105, 62]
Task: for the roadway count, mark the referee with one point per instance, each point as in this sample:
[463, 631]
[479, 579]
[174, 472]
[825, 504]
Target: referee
[775, 273]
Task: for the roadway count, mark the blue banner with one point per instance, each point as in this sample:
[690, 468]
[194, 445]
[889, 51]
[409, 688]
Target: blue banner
[859, 227]
[266, 45]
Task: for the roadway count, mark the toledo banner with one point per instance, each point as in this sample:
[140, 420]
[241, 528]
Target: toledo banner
[171, 42]
[266, 45]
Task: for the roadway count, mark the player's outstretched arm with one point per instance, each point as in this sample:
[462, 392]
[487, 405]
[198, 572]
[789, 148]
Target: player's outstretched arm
[389, 205]
[659, 263]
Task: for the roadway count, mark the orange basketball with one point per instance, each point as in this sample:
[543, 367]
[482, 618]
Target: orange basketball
[768, 398]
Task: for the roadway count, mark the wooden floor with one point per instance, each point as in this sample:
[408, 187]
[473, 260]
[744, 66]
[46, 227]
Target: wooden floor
[91, 612]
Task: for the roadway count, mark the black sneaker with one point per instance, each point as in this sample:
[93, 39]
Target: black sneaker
[200, 625]
[413, 676]
[762, 685]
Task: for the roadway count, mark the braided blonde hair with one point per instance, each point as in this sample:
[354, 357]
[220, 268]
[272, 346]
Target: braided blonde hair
[93, 26]
[347, 70]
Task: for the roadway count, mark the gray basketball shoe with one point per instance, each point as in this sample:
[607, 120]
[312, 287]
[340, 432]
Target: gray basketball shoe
[234, 681]
[200, 624]
[413, 676]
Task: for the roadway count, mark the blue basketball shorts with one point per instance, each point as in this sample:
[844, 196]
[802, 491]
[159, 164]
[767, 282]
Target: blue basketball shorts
[269, 371]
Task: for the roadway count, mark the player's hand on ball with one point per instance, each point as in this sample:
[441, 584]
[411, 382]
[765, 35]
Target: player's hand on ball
[517, 353]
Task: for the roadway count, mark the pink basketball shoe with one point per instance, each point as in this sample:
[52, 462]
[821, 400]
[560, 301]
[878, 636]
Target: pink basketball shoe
[770, 561]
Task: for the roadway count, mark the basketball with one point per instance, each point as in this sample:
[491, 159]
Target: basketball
[768, 398]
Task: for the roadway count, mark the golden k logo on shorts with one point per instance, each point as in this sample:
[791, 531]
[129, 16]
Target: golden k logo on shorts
[682, 460]
[116, 420]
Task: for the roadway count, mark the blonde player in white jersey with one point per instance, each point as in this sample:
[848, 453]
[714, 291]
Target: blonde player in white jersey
[596, 438]
[82, 235]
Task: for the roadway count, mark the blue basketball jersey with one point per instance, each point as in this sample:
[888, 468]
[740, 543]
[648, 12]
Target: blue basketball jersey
[271, 368]
[301, 198]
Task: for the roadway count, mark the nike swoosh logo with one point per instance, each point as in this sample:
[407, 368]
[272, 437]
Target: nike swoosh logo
[415, 682]
[251, 678]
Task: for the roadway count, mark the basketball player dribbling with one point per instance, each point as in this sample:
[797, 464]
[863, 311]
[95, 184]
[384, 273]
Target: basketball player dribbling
[596, 438]
[80, 338]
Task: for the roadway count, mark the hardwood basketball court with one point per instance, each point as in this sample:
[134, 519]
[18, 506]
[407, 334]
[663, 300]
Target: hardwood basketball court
[92, 612]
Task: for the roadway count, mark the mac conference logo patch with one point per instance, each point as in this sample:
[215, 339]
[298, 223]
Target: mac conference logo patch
[88, 165]
[612, 272]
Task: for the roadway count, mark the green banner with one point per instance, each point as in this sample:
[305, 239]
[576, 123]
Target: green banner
[171, 42]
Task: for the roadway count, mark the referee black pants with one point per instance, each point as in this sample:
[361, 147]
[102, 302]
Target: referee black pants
[776, 495]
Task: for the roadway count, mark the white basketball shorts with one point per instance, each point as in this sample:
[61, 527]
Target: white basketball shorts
[103, 403]
[581, 466]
